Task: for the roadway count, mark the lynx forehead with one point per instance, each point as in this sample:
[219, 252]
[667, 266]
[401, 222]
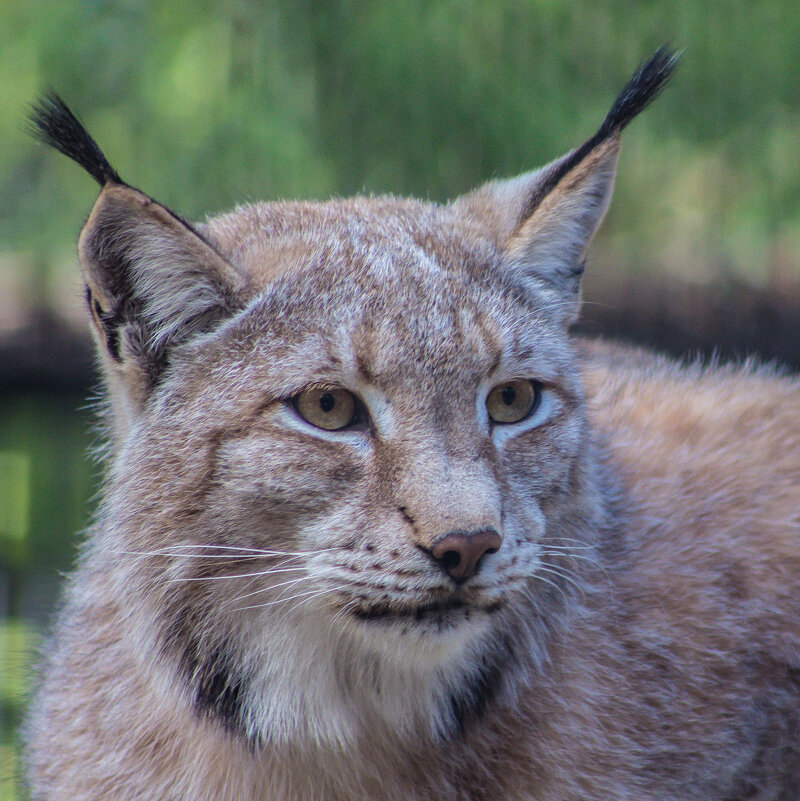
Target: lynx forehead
[375, 526]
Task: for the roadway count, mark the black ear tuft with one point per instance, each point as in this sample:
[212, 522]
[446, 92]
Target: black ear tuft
[637, 94]
[640, 90]
[51, 122]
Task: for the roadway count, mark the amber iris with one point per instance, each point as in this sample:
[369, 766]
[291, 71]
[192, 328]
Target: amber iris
[330, 409]
[512, 401]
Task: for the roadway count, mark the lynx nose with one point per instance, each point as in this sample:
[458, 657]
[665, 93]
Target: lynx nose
[460, 552]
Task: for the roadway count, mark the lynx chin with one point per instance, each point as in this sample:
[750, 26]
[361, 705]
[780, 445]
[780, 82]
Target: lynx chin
[376, 526]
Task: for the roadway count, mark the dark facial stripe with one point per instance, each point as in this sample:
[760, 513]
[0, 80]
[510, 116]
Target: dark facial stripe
[215, 679]
[218, 692]
[471, 700]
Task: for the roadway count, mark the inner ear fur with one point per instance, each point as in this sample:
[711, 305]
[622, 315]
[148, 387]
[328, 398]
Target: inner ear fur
[544, 221]
[152, 282]
[548, 243]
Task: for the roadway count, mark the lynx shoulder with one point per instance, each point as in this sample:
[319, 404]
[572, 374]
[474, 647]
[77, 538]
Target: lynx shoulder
[375, 526]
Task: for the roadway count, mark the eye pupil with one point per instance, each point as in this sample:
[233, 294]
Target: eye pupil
[327, 402]
[508, 395]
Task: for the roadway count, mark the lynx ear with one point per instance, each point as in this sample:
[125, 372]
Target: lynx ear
[548, 243]
[545, 220]
[152, 280]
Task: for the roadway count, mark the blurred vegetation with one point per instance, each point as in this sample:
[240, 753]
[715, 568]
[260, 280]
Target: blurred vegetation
[45, 483]
[206, 104]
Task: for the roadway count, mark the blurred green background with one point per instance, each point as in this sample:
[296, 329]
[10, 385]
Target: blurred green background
[209, 104]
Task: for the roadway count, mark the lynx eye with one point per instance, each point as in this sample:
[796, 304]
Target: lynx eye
[330, 409]
[513, 401]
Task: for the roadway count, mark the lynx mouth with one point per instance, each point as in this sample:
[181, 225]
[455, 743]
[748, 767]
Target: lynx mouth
[450, 609]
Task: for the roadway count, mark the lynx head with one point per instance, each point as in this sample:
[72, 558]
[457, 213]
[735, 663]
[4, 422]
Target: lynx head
[350, 477]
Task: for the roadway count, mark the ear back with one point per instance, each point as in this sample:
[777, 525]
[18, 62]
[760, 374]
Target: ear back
[549, 245]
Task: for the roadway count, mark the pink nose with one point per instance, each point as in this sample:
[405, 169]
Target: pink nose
[459, 552]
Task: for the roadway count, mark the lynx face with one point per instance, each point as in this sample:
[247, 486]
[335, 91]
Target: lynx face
[270, 525]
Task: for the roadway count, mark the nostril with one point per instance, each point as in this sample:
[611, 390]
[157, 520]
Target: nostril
[459, 553]
[450, 560]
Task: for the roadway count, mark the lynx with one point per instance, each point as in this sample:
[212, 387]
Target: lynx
[375, 525]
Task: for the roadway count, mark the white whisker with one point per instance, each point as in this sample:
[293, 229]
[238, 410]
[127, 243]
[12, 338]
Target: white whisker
[270, 572]
[260, 590]
[569, 553]
[218, 556]
[228, 551]
[338, 616]
[323, 591]
[315, 592]
[563, 574]
[555, 586]
[594, 561]
[579, 544]
[257, 551]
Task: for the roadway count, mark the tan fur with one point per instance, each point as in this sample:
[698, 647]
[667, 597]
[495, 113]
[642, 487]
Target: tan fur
[255, 615]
